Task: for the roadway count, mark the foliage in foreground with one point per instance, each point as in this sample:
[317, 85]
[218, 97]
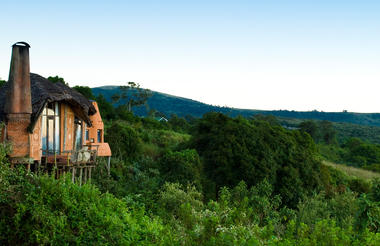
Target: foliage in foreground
[253, 216]
[159, 193]
[41, 210]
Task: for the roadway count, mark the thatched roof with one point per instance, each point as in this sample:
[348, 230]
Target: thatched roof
[44, 91]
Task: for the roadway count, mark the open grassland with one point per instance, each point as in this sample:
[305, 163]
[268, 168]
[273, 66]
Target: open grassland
[353, 171]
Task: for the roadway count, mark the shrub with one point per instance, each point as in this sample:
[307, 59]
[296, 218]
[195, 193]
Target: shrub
[173, 196]
[368, 215]
[123, 140]
[326, 232]
[183, 167]
[359, 185]
[236, 149]
[58, 212]
[342, 208]
[373, 167]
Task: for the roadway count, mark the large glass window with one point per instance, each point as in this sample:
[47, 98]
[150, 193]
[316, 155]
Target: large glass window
[50, 129]
[78, 134]
[99, 133]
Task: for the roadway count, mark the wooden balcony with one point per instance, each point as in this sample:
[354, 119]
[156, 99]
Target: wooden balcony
[79, 163]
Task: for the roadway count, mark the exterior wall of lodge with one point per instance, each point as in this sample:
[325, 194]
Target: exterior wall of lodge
[16, 131]
[93, 136]
[66, 136]
[36, 141]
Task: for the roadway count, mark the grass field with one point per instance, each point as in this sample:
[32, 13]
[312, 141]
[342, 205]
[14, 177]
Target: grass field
[353, 171]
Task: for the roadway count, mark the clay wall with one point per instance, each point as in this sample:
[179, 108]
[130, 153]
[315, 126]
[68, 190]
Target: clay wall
[35, 141]
[67, 128]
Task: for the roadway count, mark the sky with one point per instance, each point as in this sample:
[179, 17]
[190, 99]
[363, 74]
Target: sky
[295, 55]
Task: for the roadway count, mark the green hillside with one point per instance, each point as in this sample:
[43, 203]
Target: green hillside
[169, 104]
[353, 171]
[344, 131]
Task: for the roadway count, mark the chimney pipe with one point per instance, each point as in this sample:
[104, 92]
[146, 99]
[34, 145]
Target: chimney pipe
[18, 106]
[19, 93]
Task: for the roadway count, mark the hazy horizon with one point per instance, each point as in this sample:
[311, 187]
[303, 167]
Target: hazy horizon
[272, 55]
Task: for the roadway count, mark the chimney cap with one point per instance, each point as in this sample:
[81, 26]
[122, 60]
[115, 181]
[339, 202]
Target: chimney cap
[21, 44]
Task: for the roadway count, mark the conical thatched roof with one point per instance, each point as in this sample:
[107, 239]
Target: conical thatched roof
[44, 91]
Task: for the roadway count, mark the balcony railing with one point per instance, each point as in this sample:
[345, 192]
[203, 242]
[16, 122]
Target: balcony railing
[83, 157]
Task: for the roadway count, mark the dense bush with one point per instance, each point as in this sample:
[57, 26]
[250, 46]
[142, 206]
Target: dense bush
[320, 131]
[342, 207]
[179, 124]
[123, 140]
[44, 211]
[236, 149]
[252, 183]
[244, 216]
[181, 166]
[361, 153]
[277, 203]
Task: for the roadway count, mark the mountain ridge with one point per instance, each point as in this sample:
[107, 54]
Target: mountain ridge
[168, 104]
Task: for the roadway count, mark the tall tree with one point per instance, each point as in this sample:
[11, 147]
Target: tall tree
[310, 127]
[328, 133]
[105, 107]
[132, 95]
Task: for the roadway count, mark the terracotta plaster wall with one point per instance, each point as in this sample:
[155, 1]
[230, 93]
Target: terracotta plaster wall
[35, 141]
[104, 149]
[97, 124]
[67, 136]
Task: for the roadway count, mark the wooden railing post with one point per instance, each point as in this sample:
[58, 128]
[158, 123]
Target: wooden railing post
[80, 176]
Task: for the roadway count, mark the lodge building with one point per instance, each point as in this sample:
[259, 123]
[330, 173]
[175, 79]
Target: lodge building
[49, 125]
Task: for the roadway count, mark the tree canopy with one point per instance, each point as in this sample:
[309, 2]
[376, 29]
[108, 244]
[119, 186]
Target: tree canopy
[2, 82]
[131, 95]
[236, 149]
[57, 79]
[85, 91]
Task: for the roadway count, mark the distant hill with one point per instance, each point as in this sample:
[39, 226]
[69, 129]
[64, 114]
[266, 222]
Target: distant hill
[169, 104]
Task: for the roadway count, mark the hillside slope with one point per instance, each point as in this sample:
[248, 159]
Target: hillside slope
[169, 104]
[353, 171]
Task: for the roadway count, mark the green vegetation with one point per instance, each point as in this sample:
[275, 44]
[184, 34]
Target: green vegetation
[236, 149]
[216, 180]
[85, 91]
[2, 82]
[346, 131]
[41, 210]
[343, 131]
[57, 79]
[353, 151]
[353, 171]
[131, 95]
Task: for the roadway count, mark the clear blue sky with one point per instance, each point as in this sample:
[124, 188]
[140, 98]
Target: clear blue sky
[296, 55]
